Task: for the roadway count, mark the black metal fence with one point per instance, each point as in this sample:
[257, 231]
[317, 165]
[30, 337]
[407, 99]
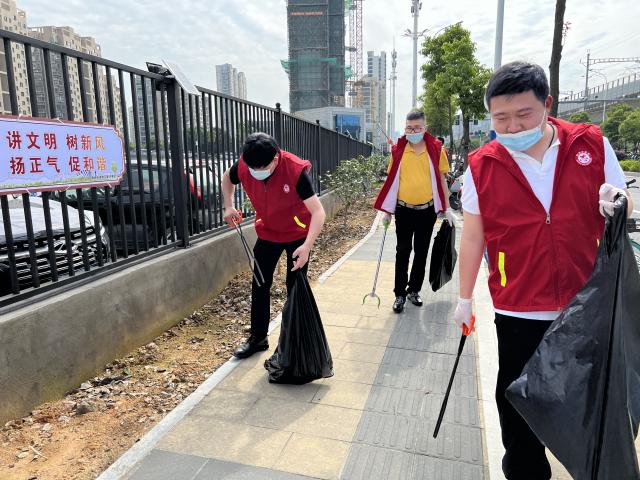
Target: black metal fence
[177, 145]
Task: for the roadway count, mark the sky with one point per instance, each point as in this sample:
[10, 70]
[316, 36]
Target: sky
[252, 35]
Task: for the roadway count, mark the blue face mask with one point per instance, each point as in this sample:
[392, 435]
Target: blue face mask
[259, 174]
[521, 141]
[415, 138]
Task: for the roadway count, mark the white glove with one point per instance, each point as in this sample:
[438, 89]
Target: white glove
[450, 216]
[608, 193]
[462, 316]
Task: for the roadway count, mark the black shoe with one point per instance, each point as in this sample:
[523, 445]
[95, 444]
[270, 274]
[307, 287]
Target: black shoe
[415, 299]
[251, 346]
[398, 305]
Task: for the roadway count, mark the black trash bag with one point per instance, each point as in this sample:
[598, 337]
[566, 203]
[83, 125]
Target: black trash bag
[580, 391]
[443, 256]
[302, 354]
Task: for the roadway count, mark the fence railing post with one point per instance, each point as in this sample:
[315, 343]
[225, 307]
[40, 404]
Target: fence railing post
[319, 153]
[178, 171]
[277, 130]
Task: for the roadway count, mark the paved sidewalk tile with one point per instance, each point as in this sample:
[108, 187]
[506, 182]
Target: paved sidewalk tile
[165, 464]
[357, 335]
[355, 371]
[217, 469]
[342, 394]
[327, 421]
[213, 438]
[314, 456]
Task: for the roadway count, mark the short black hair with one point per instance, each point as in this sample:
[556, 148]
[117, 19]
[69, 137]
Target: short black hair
[259, 149]
[518, 77]
[415, 115]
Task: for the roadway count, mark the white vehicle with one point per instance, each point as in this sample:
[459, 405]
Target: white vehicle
[21, 242]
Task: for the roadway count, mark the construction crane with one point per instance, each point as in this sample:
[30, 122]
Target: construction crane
[354, 9]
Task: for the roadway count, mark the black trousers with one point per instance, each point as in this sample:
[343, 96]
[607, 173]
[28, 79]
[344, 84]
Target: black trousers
[267, 255]
[518, 339]
[413, 230]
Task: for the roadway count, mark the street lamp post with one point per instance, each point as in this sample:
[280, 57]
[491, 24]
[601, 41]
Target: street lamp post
[497, 59]
[416, 5]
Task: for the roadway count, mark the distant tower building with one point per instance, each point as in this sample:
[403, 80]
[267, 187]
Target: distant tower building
[231, 82]
[316, 65]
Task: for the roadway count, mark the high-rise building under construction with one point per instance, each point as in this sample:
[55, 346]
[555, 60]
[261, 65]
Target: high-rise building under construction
[316, 64]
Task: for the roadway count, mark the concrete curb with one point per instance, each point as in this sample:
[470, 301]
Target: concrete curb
[146, 444]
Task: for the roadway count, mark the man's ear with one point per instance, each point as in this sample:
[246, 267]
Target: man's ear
[548, 103]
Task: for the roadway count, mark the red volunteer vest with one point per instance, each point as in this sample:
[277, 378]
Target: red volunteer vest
[434, 147]
[539, 262]
[281, 215]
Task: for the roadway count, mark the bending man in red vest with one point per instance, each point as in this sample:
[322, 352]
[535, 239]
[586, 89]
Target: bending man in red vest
[289, 217]
[534, 198]
[415, 191]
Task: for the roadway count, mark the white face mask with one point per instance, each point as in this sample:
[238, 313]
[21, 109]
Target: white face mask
[260, 174]
[521, 141]
[415, 138]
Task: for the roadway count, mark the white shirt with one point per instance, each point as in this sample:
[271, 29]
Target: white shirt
[540, 177]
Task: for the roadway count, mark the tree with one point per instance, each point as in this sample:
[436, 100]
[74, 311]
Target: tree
[630, 129]
[556, 55]
[436, 111]
[453, 71]
[579, 117]
[615, 116]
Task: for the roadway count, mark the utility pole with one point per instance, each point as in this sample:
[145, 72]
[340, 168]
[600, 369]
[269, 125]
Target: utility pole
[394, 77]
[586, 81]
[497, 58]
[416, 5]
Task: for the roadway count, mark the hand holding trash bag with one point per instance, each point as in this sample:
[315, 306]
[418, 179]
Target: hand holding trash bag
[580, 391]
[607, 195]
[302, 354]
[443, 256]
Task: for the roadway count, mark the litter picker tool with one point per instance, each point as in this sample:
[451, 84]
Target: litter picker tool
[466, 331]
[247, 250]
[372, 294]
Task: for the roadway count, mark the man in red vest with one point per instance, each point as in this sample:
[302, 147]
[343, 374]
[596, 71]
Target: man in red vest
[416, 192]
[289, 217]
[534, 197]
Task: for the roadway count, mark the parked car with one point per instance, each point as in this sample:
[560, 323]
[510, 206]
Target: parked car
[21, 243]
[155, 206]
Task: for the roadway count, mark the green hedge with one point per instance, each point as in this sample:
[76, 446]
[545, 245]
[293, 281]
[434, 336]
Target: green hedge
[630, 165]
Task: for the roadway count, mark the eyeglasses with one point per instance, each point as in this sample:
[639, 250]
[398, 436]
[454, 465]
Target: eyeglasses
[413, 129]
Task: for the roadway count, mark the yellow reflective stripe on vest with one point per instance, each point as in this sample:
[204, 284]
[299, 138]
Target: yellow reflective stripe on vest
[503, 275]
[298, 222]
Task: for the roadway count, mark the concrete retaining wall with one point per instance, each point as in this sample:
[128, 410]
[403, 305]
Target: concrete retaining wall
[49, 348]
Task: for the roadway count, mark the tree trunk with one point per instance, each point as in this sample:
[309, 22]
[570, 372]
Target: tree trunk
[464, 144]
[556, 56]
[452, 145]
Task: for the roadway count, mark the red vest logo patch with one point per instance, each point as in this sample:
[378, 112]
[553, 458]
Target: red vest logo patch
[583, 158]
[286, 188]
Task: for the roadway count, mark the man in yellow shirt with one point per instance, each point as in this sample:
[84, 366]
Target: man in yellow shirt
[416, 192]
